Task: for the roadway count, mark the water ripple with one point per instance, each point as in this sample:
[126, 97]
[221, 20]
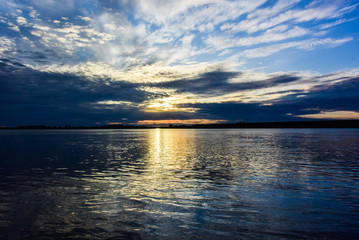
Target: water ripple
[179, 184]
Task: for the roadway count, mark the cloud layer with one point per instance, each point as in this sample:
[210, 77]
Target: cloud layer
[90, 61]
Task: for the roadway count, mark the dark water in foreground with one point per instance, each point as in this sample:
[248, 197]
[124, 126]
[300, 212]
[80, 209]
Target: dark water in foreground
[179, 184]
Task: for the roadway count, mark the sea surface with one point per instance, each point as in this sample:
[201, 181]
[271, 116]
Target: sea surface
[179, 184]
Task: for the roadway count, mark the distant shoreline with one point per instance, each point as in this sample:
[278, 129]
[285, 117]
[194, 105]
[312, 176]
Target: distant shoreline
[292, 124]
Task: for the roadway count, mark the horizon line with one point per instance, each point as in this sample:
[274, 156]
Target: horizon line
[347, 123]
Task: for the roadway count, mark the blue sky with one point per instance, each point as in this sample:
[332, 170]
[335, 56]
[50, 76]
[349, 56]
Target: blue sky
[99, 62]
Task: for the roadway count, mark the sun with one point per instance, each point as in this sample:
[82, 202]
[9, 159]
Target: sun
[160, 106]
[168, 104]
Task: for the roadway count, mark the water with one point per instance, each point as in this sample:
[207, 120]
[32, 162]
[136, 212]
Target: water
[179, 184]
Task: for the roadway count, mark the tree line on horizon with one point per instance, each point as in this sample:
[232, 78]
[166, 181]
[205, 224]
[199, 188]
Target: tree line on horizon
[292, 124]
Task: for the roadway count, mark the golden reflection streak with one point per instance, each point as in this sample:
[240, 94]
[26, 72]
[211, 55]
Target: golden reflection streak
[162, 175]
[162, 167]
[169, 150]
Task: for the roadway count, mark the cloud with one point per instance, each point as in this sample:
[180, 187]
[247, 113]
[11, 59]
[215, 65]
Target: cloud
[222, 42]
[21, 21]
[160, 12]
[305, 44]
[216, 94]
[337, 22]
[280, 13]
[173, 103]
[188, 14]
[218, 86]
[146, 74]
[332, 115]
[260, 19]
[158, 59]
[125, 35]
[6, 45]
[87, 19]
[110, 104]
[27, 91]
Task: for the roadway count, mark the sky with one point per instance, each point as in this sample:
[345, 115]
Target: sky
[93, 62]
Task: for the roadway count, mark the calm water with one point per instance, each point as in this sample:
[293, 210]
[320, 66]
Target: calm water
[179, 184]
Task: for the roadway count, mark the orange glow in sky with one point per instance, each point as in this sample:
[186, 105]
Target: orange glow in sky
[179, 121]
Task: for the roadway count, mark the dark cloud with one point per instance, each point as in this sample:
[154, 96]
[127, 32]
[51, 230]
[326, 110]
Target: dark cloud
[26, 93]
[248, 112]
[217, 82]
[339, 96]
[326, 97]
[7, 66]
[29, 96]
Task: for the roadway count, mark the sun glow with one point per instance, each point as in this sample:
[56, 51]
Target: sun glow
[332, 115]
[179, 121]
[168, 104]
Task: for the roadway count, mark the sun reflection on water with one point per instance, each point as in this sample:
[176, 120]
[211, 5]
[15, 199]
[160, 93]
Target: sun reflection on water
[167, 160]
[135, 184]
